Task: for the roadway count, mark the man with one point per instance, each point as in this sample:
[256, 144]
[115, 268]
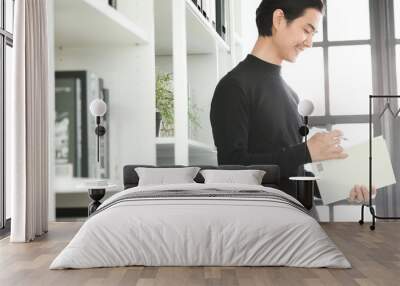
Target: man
[254, 113]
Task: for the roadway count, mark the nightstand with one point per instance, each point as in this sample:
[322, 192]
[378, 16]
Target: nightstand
[305, 190]
[96, 193]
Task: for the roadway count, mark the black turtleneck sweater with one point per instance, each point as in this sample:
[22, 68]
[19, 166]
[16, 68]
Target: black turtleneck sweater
[254, 120]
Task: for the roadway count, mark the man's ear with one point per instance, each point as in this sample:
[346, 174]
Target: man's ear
[278, 19]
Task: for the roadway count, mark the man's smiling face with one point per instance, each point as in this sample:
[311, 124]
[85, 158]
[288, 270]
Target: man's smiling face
[291, 38]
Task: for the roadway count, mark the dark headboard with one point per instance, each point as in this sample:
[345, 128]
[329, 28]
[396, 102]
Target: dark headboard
[270, 179]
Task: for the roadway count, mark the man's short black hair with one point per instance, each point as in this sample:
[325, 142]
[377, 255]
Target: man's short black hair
[292, 9]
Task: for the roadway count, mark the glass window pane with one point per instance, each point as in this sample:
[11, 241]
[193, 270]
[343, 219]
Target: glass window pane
[319, 36]
[306, 77]
[398, 68]
[398, 72]
[9, 15]
[1, 16]
[8, 81]
[397, 18]
[350, 79]
[355, 133]
[348, 20]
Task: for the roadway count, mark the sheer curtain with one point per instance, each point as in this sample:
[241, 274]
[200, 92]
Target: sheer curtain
[27, 156]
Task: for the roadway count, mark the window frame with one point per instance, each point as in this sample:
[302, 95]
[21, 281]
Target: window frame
[328, 119]
[383, 59]
[383, 48]
[6, 39]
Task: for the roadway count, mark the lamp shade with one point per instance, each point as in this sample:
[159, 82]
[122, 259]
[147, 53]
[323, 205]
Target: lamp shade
[98, 107]
[305, 107]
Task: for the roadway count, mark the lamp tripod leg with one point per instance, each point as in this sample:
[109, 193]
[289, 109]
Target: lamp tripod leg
[98, 148]
[305, 151]
[372, 210]
[361, 221]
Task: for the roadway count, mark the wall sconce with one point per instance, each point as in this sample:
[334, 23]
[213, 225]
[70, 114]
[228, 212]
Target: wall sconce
[305, 109]
[98, 108]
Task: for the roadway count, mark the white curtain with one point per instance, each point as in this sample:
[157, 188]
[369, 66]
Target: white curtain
[28, 136]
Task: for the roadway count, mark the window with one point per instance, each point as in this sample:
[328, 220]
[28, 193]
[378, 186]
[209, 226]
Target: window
[397, 18]
[312, 85]
[355, 133]
[348, 20]
[6, 43]
[337, 74]
[339, 65]
[398, 67]
[350, 77]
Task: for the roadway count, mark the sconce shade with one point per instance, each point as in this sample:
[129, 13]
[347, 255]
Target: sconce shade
[305, 107]
[98, 107]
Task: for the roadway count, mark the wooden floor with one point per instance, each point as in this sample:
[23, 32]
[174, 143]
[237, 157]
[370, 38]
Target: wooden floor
[375, 257]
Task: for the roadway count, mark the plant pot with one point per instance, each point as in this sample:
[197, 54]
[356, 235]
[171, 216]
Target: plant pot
[158, 122]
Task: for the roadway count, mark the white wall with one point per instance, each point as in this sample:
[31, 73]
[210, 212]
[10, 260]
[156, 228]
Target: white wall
[129, 73]
[164, 64]
[249, 28]
[202, 77]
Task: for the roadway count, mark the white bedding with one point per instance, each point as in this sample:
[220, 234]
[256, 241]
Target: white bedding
[200, 231]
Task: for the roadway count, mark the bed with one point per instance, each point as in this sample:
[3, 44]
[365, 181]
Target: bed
[201, 224]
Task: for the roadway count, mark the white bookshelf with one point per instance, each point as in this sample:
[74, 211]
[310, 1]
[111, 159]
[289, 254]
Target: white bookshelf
[196, 22]
[208, 58]
[95, 23]
[202, 38]
[199, 153]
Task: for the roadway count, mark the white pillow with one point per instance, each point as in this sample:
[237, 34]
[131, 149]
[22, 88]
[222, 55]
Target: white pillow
[248, 177]
[163, 176]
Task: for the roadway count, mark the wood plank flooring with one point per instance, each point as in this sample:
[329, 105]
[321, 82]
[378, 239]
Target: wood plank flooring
[375, 257]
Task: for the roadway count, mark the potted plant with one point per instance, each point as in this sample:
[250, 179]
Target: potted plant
[165, 107]
[164, 103]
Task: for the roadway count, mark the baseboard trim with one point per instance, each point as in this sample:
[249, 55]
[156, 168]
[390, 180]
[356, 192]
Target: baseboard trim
[342, 213]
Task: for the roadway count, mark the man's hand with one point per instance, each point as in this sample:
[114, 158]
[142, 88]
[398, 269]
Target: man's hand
[360, 194]
[326, 146]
